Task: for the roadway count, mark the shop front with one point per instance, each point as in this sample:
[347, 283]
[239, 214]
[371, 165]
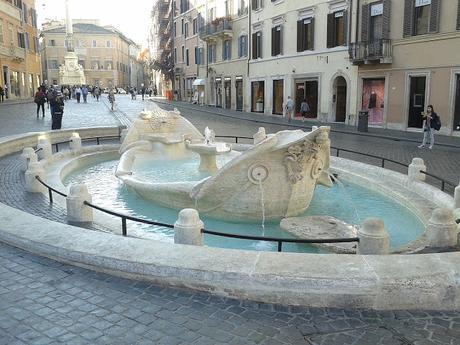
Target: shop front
[218, 91]
[307, 89]
[373, 99]
[257, 96]
[239, 93]
[228, 92]
[278, 94]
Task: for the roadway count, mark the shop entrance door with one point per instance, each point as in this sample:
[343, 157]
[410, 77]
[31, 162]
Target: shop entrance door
[239, 95]
[341, 99]
[456, 125]
[228, 94]
[416, 101]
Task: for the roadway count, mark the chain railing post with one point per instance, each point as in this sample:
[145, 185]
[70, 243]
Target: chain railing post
[124, 231]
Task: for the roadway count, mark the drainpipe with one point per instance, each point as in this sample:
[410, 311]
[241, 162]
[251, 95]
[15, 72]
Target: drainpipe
[358, 5]
[248, 89]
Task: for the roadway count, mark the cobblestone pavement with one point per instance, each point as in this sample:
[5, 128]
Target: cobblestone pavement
[45, 302]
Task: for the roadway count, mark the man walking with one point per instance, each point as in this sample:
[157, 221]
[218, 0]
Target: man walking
[289, 108]
[84, 92]
[2, 93]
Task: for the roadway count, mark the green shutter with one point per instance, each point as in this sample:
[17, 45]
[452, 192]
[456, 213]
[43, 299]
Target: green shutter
[434, 16]
[365, 18]
[254, 45]
[273, 41]
[408, 26]
[300, 38]
[458, 15]
[345, 28]
[311, 33]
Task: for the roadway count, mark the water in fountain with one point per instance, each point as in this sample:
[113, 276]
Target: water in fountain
[357, 218]
[262, 202]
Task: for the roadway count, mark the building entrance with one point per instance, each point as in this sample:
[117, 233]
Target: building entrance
[456, 124]
[308, 90]
[416, 101]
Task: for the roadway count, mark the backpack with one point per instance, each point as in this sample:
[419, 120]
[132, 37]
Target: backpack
[437, 123]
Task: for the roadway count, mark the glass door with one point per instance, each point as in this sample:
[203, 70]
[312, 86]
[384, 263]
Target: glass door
[416, 101]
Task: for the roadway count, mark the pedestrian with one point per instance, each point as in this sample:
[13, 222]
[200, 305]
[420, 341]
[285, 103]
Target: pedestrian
[2, 94]
[66, 94]
[143, 92]
[57, 109]
[84, 92]
[289, 108]
[133, 93]
[6, 91]
[78, 93]
[431, 123]
[112, 98]
[40, 100]
[304, 109]
[97, 93]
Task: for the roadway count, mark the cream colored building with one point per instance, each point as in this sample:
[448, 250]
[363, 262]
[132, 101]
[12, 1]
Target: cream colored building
[104, 53]
[299, 50]
[19, 49]
[408, 57]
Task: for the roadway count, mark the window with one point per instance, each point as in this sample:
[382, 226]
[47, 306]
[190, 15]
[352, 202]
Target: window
[175, 55]
[211, 53]
[109, 44]
[257, 45]
[54, 64]
[95, 65]
[422, 17]
[243, 46]
[26, 40]
[186, 30]
[82, 63]
[21, 40]
[242, 7]
[227, 7]
[175, 29]
[94, 44]
[24, 13]
[187, 57]
[227, 50]
[336, 29]
[183, 53]
[182, 27]
[305, 34]
[257, 4]
[199, 56]
[1, 32]
[52, 43]
[194, 26]
[36, 45]
[277, 41]
[211, 14]
[376, 23]
[184, 6]
[108, 65]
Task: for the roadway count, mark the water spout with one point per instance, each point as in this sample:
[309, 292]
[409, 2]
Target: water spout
[262, 202]
[207, 135]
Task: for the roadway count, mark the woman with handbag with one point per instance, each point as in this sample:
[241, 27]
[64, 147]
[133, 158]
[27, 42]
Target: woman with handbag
[431, 123]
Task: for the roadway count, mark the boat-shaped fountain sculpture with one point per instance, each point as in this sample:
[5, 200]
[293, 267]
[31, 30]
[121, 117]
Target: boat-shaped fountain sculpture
[273, 179]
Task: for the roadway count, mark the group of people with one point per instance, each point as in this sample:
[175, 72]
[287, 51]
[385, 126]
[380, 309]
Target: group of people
[55, 100]
[143, 91]
[290, 108]
[81, 92]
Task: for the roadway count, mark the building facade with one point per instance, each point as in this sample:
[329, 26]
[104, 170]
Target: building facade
[19, 49]
[407, 52]
[105, 54]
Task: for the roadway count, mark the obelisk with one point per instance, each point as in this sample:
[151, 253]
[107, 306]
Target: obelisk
[71, 73]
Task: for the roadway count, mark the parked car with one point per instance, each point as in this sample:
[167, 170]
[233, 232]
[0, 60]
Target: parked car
[121, 90]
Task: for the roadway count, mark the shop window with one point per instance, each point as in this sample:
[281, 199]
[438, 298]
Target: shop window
[422, 18]
[278, 94]
[257, 96]
[257, 4]
[243, 46]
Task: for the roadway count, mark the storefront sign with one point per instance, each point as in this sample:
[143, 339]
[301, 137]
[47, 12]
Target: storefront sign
[338, 14]
[419, 3]
[376, 10]
[307, 21]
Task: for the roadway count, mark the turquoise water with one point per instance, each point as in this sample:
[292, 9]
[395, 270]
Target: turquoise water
[348, 202]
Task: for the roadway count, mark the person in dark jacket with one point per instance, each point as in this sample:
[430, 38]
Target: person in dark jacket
[57, 109]
[430, 124]
[40, 100]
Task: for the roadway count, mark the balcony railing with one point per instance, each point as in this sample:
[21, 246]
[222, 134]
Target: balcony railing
[217, 28]
[379, 51]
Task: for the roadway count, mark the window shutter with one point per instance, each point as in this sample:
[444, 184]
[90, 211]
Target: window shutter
[365, 16]
[458, 15]
[311, 32]
[408, 26]
[330, 30]
[434, 17]
[259, 45]
[273, 41]
[254, 45]
[386, 19]
[299, 35]
[280, 38]
[345, 28]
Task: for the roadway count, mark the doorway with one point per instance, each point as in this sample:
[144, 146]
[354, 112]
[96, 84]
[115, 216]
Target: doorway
[278, 94]
[239, 94]
[456, 124]
[228, 93]
[416, 101]
[218, 87]
[6, 80]
[340, 99]
[308, 90]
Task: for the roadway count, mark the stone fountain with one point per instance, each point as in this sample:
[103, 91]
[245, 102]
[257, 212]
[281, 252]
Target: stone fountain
[281, 169]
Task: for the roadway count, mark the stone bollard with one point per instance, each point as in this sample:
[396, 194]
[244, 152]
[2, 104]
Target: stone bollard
[457, 197]
[260, 135]
[32, 184]
[44, 147]
[77, 211]
[414, 169]
[373, 238]
[441, 230]
[187, 228]
[75, 142]
[27, 156]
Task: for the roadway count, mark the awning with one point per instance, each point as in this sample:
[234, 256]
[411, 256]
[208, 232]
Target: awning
[199, 82]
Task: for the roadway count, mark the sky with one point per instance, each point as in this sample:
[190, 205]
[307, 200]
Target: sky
[130, 17]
